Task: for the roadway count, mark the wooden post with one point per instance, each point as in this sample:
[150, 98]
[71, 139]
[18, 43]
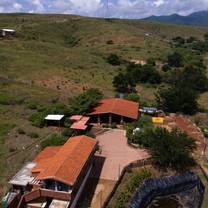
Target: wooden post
[99, 121]
[110, 119]
[121, 122]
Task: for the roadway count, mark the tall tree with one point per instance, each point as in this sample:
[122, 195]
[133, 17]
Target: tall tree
[178, 98]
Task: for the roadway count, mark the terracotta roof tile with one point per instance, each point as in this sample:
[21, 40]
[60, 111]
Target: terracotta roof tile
[117, 106]
[67, 163]
[47, 153]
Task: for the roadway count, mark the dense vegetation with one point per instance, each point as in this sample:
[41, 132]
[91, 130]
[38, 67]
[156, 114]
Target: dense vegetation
[182, 74]
[78, 105]
[126, 82]
[169, 149]
[134, 180]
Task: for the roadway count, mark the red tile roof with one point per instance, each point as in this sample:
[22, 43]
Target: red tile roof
[76, 117]
[47, 153]
[81, 123]
[66, 165]
[117, 106]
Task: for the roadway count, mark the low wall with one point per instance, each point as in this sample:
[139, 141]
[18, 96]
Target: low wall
[165, 186]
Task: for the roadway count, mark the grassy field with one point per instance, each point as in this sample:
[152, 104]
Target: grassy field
[54, 57]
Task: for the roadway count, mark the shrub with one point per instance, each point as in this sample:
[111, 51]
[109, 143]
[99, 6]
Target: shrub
[166, 67]
[20, 131]
[53, 140]
[179, 41]
[12, 149]
[132, 97]
[67, 122]
[32, 106]
[67, 132]
[37, 119]
[113, 59]
[71, 41]
[113, 126]
[110, 42]
[144, 121]
[105, 125]
[175, 60]
[33, 135]
[6, 99]
[90, 134]
[83, 102]
[151, 61]
[133, 182]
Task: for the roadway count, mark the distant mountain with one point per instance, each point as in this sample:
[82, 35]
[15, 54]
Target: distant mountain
[197, 19]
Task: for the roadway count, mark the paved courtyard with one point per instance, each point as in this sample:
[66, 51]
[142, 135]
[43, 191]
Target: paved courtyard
[117, 153]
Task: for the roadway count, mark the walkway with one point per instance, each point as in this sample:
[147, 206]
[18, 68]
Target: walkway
[116, 153]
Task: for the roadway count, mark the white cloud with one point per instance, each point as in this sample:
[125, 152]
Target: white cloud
[117, 8]
[39, 6]
[17, 6]
[158, 3]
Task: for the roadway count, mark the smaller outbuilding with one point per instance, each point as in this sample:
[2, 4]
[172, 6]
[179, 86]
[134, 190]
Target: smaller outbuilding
[54, 119]
[7, 32]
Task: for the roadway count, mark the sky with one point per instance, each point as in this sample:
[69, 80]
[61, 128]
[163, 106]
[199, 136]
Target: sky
[98, 8]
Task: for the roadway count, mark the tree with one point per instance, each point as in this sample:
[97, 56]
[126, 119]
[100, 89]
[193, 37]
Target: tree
[169, 149]
[191, 39]
[149, 75]
[151, 61]
[166, 67]
[175, 59]
[195, 77]
[120, 83]
[172, 149]
[113, 59]
[179, 41]
[83, 102]
[206, 36]
[178, 98]
[132, 97]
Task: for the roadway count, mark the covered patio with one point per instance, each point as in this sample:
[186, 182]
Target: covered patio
[114, 110]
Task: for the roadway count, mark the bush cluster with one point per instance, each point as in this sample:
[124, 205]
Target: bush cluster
[126, 82]
[79, 105]
[133, 182]
[6, 99]
[54, 140]
[169, 149]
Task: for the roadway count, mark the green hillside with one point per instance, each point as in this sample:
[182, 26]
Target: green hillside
[54, 57]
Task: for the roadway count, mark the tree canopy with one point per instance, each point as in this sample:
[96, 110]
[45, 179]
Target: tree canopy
[178, 98]
[169, 149]
[134, 74]
[83, 102]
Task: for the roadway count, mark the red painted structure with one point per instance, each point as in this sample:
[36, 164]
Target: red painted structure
[115, 110]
